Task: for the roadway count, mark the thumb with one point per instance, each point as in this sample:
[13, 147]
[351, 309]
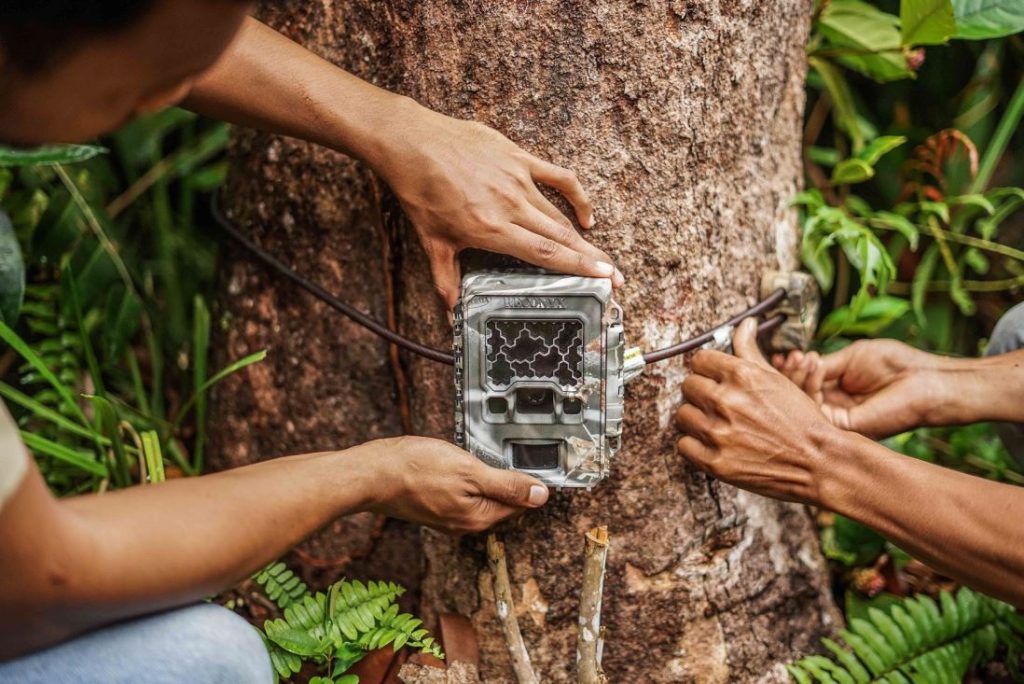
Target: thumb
[744, 343]
[444, 266]
[512, 488]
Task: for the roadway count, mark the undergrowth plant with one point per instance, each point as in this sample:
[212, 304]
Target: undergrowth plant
[917, 641]
[911, 226]
[102, 276]
[335, 630]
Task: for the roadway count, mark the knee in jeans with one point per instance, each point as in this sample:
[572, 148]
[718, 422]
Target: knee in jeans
[1008, 335]
[229, 648]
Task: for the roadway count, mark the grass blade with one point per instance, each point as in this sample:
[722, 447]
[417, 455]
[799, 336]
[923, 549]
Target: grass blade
[200, 351]
[223, 373]
[80, 459]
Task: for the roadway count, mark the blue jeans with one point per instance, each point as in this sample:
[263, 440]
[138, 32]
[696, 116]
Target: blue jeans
[1007, 337]
[201, 644]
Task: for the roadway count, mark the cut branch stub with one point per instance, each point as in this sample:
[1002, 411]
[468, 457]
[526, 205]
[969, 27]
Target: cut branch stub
[507, 613]
[590, 643]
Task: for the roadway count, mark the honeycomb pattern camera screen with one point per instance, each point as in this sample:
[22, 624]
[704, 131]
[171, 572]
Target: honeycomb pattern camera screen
[530, 350]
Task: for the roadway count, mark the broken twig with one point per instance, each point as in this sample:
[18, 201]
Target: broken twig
[507, 614]
[590, 642]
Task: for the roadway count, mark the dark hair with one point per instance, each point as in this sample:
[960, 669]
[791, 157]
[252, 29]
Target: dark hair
[36, 33]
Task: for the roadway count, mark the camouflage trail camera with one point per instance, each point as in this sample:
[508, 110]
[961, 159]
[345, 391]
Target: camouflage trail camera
[539, 361]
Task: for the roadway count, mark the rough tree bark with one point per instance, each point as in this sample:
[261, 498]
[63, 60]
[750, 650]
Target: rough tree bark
[682, 119]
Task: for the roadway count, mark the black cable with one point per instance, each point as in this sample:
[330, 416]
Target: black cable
[689, 345]
[323, 295]
[443, 357]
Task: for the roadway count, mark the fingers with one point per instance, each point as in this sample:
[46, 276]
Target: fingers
[566, 182]
[713, 364]
[700, 391]
[540, 250]
[835, 364]
[561, 230]
[511, 487]
[693, 422]
[444, 266]
[744, 343]
[695, 451]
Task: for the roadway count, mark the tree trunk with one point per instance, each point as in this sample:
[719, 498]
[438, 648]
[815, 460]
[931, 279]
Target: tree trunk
[683, 120]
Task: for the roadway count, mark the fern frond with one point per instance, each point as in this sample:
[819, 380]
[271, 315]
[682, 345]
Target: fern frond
[918, 641]
[281, 585]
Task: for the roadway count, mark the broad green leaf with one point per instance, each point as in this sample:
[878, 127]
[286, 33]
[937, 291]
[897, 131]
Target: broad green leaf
[926, 22]
[12, 272]
[879, 147]
[877, 314]
[850, 171]
[984, 19]
[48, 155]
[871, 39]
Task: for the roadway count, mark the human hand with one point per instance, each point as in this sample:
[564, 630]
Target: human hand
[875, 387]
[437, 484]
[746, 424]
[464, 185]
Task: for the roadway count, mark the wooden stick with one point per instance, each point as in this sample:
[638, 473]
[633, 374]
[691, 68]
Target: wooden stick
[507, 613]
[590, 644]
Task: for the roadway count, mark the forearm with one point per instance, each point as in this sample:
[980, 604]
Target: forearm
[123, 553]
[974, 390]
[967, 527]
[268, 82]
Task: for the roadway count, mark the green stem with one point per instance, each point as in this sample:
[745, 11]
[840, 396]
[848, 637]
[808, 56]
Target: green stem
[1007, 125]
[968, 240]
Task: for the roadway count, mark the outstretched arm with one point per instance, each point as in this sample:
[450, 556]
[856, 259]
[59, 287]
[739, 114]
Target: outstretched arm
[883, 387]
[73, 564]
[461, 183]
[748, 425]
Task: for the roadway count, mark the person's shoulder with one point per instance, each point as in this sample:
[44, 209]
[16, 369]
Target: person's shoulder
[13, 456]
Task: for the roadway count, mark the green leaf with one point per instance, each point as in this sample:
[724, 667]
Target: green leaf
[12, 272]
[82, 460]
[110, 423]
[871, 39]
[220, 375]
[879, 147]
[153, 455]
[850, 171]
[877, 314]
[19, 345]
[295, 641]
[200, 352]
[121, 319]
[844, 111]
[922, 276]
[48, 155]
[984, 19]
[900, 224]
[926, 22]
[40, 410]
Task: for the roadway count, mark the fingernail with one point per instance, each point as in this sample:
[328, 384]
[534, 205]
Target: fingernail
[605, 270]
[591, 222]
[538, 495]
[451, 318]
[619, 278]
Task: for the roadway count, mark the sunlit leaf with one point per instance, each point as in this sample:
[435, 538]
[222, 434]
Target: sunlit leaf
[926, 22]
[984, 19]
[850, 171]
